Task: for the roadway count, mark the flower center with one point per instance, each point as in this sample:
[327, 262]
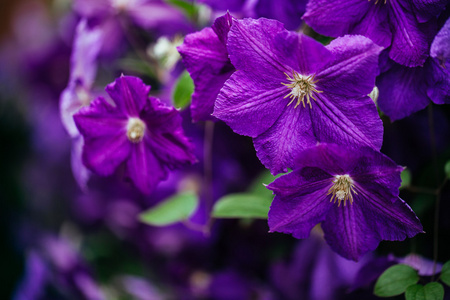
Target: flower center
[376, 1]
[301, 86]
[342, 189]
[135, 130]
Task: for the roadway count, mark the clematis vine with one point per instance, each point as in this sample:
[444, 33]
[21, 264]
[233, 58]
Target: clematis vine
[291, 92]
[352, 192]
[206, 58]
[404, 26]
[139, 131]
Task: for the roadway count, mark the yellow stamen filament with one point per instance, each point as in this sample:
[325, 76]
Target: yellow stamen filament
[135, 130]
[300, 87]
[342, 189]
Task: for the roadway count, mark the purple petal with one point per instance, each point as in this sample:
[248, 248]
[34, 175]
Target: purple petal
[206, 59]
[166, 137]
[222, 26]
[352, 73]
[347, 231]
[144, 169]
[439, 81]
[410, 42]
[344, 121]
[279, 145]
[289, 12]
[158, 15]
[353, 230]
[301, 201]
[104, 130]
[129, 94]
[337, 18]
[93, 9]
[394, 221]
[403, 91]
[251, 44]
[246, 100]
[426, 9]
[440, 48]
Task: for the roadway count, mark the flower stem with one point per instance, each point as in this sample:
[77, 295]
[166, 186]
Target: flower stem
[208, 169]
[438, 189]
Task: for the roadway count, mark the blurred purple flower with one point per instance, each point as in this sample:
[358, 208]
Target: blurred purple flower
[329, 84]
[312, 264]
[86, 48]
[139, 130]
[156, 15]
[403, 25]
[56, 263]
[367, 183]
[206, 58]
[289, 12]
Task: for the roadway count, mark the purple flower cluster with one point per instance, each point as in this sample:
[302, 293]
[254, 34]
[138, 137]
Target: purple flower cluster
[136, 128]
[307, 108]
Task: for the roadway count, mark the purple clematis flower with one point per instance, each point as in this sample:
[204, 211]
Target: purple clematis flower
[139, 130]
[206, 58]
[353, 192]
[291, 92]
[403, 25]
[404, 91]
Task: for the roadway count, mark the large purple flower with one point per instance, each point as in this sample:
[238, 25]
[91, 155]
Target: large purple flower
[139, 130]
[291, 92]
[402, 24]
[353, 192]
[206, 58]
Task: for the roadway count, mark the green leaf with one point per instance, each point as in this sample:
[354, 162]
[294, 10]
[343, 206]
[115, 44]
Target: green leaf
[395, 280]
[182, 92]
[445, 273]
[242, 205]
[257, 186]
[174, 209]
[431, 291]
[447, 169]
[187, 7]
[406, 178]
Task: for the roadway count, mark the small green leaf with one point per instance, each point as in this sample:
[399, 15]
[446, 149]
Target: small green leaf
[182, 92]
[406, 178]
[187, 7]
[445, 273]
[415, 292]
[395, 280]
[174, 209]
[447, 169]
[431, 291]
[242, 205]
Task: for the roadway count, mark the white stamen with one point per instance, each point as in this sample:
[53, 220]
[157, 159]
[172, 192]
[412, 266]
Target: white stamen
[135, 130]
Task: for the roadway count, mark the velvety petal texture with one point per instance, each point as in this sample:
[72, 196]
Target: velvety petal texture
[303, 198]
[403, 25]
[139, 131]
[272, 64]
[206, 59]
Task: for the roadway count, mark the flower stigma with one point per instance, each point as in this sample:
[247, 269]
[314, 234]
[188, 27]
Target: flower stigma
[342, 189]
[301, 86]
[135, 130]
